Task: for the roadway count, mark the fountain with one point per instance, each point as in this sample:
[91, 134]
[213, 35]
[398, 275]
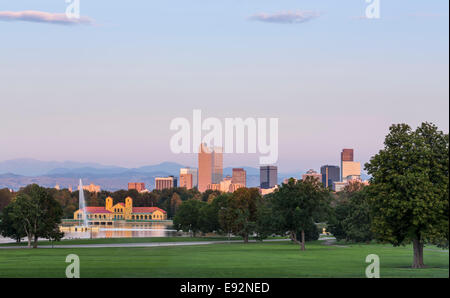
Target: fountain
[82, 205]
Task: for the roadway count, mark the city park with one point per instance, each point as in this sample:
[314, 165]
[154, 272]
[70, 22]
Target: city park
[402, 217]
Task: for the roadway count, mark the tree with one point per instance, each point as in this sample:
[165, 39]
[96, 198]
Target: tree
[239, 216]
[312, 232]
[25, 213]
[37, 212]
[299, 204]
[10, 228]
[409, 188]
[209, 214]
[264, 220]
[175, 203]
[188, 216]
[5, 198]
[351, 220]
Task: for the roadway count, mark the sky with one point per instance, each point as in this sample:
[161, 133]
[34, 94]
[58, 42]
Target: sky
[105, 88]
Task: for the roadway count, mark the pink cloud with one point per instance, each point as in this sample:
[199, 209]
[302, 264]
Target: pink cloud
[42, 17]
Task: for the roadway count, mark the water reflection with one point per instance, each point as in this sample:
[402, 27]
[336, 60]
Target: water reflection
[127, 230]
[122, 230]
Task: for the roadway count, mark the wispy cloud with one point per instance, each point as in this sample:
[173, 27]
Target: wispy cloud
[289, 17]
[43, 17]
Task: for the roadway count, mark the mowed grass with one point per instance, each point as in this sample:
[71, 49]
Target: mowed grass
[127, 240]
[259, 260]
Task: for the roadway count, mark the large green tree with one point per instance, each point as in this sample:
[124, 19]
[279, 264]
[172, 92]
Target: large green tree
[10, 228]
[37, 212]
[240, 214]
[297, 205]
[209, 214]
[409, 188]
[188, 216]
[351, 220]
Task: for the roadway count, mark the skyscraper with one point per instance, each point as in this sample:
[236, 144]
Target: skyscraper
[210, 166]
[348, 166]
[268, 176]
[188, 177]
[330, 174]
[347, 155]
[186, 181]
[239, 177]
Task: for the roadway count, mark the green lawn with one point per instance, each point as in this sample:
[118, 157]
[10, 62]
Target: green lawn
[271, 259]
[130, 240]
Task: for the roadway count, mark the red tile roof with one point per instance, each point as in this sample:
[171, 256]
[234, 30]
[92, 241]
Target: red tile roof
[96, 210]
[146, 209]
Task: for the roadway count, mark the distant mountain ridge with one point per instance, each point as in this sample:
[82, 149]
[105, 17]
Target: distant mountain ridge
[33, 167]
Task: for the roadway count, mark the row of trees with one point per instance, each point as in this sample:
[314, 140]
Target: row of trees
[167, 199]
[293, 209]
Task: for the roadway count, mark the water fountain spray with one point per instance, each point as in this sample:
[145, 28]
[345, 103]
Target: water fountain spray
[82, 205]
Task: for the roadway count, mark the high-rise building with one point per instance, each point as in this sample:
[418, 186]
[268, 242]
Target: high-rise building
[239, 177]
[268, 176]
[313, 174]
[348, 166]
[188, 177]
[210, 166]
[186, 181]
[347, 155]
[330, 174]
[139, 186]
[165, 182]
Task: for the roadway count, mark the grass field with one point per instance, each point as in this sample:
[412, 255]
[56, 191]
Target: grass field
[128, 240]
[271, 259]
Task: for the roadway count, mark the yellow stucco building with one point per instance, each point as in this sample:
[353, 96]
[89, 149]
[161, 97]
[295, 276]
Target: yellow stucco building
[120, 211]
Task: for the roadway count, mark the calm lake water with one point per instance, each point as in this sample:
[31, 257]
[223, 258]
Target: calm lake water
[123, 230]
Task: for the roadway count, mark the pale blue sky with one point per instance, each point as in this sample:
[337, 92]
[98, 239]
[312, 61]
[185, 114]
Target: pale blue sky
[107, 92]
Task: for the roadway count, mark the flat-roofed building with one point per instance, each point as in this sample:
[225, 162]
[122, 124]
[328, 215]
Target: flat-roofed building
[330, 174]
[186, 181]
[239, 176]
[349, 167]
[139, 186]
[268, 176]
[165, 182]
[188, 177]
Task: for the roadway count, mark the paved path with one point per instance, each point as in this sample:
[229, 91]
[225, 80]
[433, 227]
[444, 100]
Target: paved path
[147, 244]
